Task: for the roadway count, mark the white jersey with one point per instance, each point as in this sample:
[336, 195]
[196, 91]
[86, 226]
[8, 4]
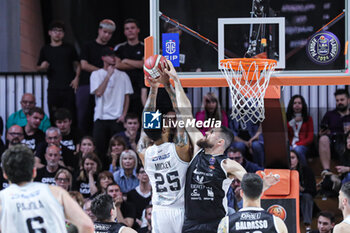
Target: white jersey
[31, 208]
[167, 174]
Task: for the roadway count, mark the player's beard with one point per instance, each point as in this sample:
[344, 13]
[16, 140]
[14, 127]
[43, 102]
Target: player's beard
[204, 143]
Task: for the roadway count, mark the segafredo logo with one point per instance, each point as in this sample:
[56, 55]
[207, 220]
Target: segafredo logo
[323, 48]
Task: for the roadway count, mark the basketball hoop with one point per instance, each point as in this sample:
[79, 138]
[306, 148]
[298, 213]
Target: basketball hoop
[248, 79]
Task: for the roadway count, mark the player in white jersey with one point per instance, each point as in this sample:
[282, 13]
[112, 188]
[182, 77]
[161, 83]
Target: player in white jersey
[344, 206]
[166, 164]
[28, 207]
[209, 172]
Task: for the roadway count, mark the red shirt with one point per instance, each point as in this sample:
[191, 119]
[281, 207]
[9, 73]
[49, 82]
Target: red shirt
[306, 133]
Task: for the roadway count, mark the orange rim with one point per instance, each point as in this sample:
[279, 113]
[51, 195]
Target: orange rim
[246, 62]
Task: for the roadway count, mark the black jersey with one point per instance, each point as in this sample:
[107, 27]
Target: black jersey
[206, 187]
[252, 219]
[108, 227]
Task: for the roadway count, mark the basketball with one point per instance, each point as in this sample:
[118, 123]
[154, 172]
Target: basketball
[152, 64]
[278, 211]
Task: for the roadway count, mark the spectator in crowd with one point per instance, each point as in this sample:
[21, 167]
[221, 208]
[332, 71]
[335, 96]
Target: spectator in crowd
[87, 144]
[126, 176]
[344, 206]
[70, 136]
[85, 183]
[87, 209]
[20, 117]
[125, 210]
[104, 209]
[148, 217]
[14, 136]
[300, 127]
[249, 138]
[236, 154]
[61, 62]
[234, 199]
[307, 188]
[90, 60]
[132, 131]
[325, 222]
[129, 58]
[211, 110]
[111, 88]
[47, 174]
[103, 180]
[343, 168]
[331, 141]
[33, 136]
[141, 195]
[116, 146]
[63, 178]
[53, 137]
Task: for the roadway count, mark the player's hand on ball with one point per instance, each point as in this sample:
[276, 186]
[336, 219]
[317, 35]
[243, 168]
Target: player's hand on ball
[153, 82]
[171, 70]
[164, 77]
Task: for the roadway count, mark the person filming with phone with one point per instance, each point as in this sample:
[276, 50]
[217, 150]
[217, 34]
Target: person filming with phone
[334, 125]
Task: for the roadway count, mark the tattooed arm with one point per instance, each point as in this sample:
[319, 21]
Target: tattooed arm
[150, 105]
[185, 108]
[181, 140]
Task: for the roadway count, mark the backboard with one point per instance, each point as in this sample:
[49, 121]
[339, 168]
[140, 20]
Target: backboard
[309, 39]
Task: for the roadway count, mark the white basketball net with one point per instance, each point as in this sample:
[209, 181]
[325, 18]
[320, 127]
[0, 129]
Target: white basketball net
[247, 94]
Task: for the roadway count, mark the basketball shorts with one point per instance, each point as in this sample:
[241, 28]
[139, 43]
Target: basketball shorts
[167, 219]
[193, 226]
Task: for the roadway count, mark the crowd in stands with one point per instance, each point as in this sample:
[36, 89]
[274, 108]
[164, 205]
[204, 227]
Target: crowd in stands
[88, 144]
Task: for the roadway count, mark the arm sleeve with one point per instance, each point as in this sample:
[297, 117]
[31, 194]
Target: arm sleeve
[118, 51]
[128, 89]
[94, 82]
[84, 53]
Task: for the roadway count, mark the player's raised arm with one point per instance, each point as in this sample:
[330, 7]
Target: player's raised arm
[181, 140]
[233, 169]
[184, 106]
[73, 212]
[150, 105]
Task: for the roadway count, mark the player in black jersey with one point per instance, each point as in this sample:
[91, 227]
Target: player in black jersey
[252, 218]
[103, 208]
[210, 172]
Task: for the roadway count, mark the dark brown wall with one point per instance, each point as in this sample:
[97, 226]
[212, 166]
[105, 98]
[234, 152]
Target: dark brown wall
[31, 39]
